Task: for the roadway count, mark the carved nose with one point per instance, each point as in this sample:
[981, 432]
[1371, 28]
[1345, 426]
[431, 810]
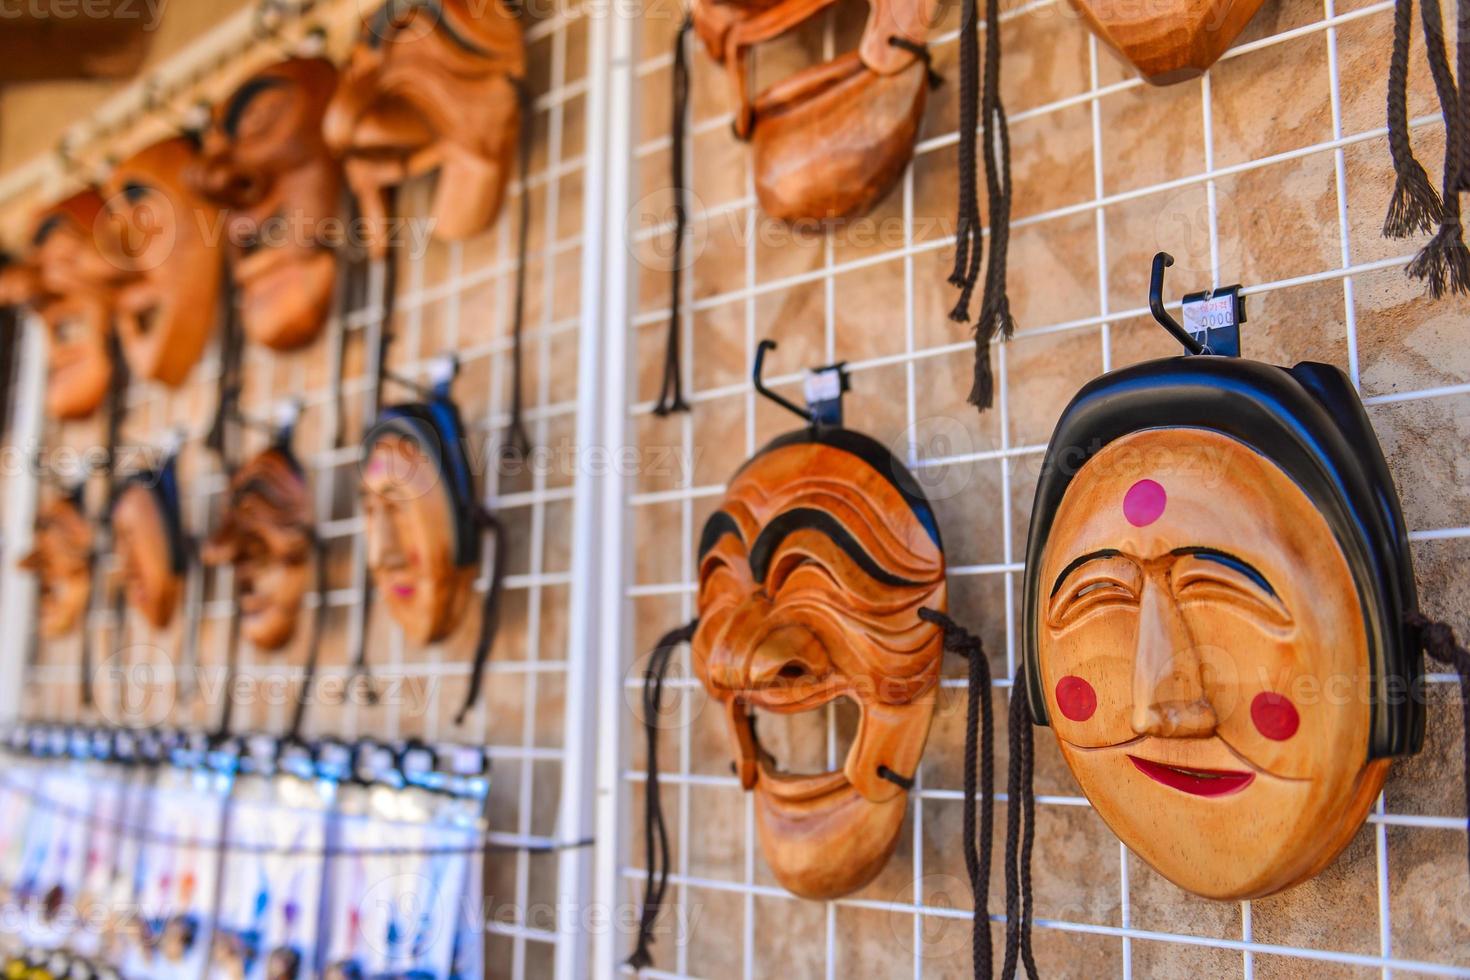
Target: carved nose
[788, 655]
[1169, 698]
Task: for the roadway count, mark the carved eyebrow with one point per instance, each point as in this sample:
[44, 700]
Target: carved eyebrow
[46, 228]
[1229, 561]
[1079, 561]
[242, 99]
[386, 24]
[810, 519]
[135, 191]
[719, 524]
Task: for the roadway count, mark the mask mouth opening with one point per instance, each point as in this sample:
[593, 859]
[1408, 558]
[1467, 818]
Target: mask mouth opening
[805, 746]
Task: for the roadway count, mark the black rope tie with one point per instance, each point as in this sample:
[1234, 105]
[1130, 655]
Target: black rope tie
[489, 617]
[969, 237]
[1439, 641]
[1020, 831]
[671, 395]
[904, 783]
[995, 308]
[1444, 263]
[1415, 206]
[116, 408]
[922, 52]
[979, 764]
[313, 650]
[655, 833]
[517, 444]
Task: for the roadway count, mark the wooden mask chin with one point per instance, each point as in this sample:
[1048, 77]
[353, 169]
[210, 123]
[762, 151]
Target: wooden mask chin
[148, 539]
[1167, 43]
[169, 293]
[418, 505]
[266, 534]
[61, 558]
[1216, 582]
[431, 87]
[264, 160]
[831, 140]
[68, 281]
[811, 577]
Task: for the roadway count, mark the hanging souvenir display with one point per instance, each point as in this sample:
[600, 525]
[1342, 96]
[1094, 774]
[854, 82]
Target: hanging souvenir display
[1415, 207]
[61, 558]
[821, 576]
[832, 139]
[266, 534]
[245, 892]
[148, 537]
[265, 161]
[1171, 43]
[169, 269]
[1215, 542]
[67, 279]
[431, 86]
[425, 526]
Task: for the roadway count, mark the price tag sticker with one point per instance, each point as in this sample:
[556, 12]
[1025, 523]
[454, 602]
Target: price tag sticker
[823, 387]
[1214, 318]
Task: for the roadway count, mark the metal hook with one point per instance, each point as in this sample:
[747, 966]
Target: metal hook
[1156, 305]
[760, 386]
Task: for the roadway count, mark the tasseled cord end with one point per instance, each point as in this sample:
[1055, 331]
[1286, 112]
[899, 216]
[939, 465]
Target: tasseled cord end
[1444, 263]
[1415, 207]
[1439, 641]
[993, 320]
[655, 834]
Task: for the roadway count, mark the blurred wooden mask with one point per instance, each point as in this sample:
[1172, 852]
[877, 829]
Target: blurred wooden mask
[266, 534]
[61, 558]
[67, 279]
[1169, 42]
[832, 139]
[431, 86]
[148, 539]
[265, 161]
[811, 576]
[160, 232]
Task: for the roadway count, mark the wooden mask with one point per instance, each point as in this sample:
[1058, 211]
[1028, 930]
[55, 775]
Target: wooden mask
[61, 558]
[431, 86]
[148, 537]
[68, 281]
[418, 500]
[811, 577]
[266, 534]
[832, 139]
[1172, 43]
[160, 231]
[265, 161]
[1217, 577]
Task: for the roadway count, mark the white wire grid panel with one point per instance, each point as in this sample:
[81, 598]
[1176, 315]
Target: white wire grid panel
[449, 297]
[1271, 170]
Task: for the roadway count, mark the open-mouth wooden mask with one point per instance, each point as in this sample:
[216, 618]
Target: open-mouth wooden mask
[1170, 42]
[266, 534]
[148, 538]
[423, 539]
[832, 139]
[67, 279]
[811, 577]
[61, 558]
[431, 86]
[1217, 579]
[159, 228]
[266, 161]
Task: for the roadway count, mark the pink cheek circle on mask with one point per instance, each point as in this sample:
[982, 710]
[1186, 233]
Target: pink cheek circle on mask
[1076, 698]
[1274, 716]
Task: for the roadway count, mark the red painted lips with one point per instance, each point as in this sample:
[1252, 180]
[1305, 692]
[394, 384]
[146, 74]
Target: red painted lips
[1199, 782]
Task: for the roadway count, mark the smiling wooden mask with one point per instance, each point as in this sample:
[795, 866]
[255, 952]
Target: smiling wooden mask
[148, 538]
[266, 534]
[68, 280]
[265, 161]
[811, 576]
[61, 558]
[431, 86]
[418, 500]
[1171, 42]
[159, 232]
[1216, 582]
[832, 139]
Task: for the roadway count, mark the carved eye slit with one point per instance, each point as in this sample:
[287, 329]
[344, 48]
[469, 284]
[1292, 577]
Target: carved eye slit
[1091, 593]
[787, 564]
[1207, 578]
